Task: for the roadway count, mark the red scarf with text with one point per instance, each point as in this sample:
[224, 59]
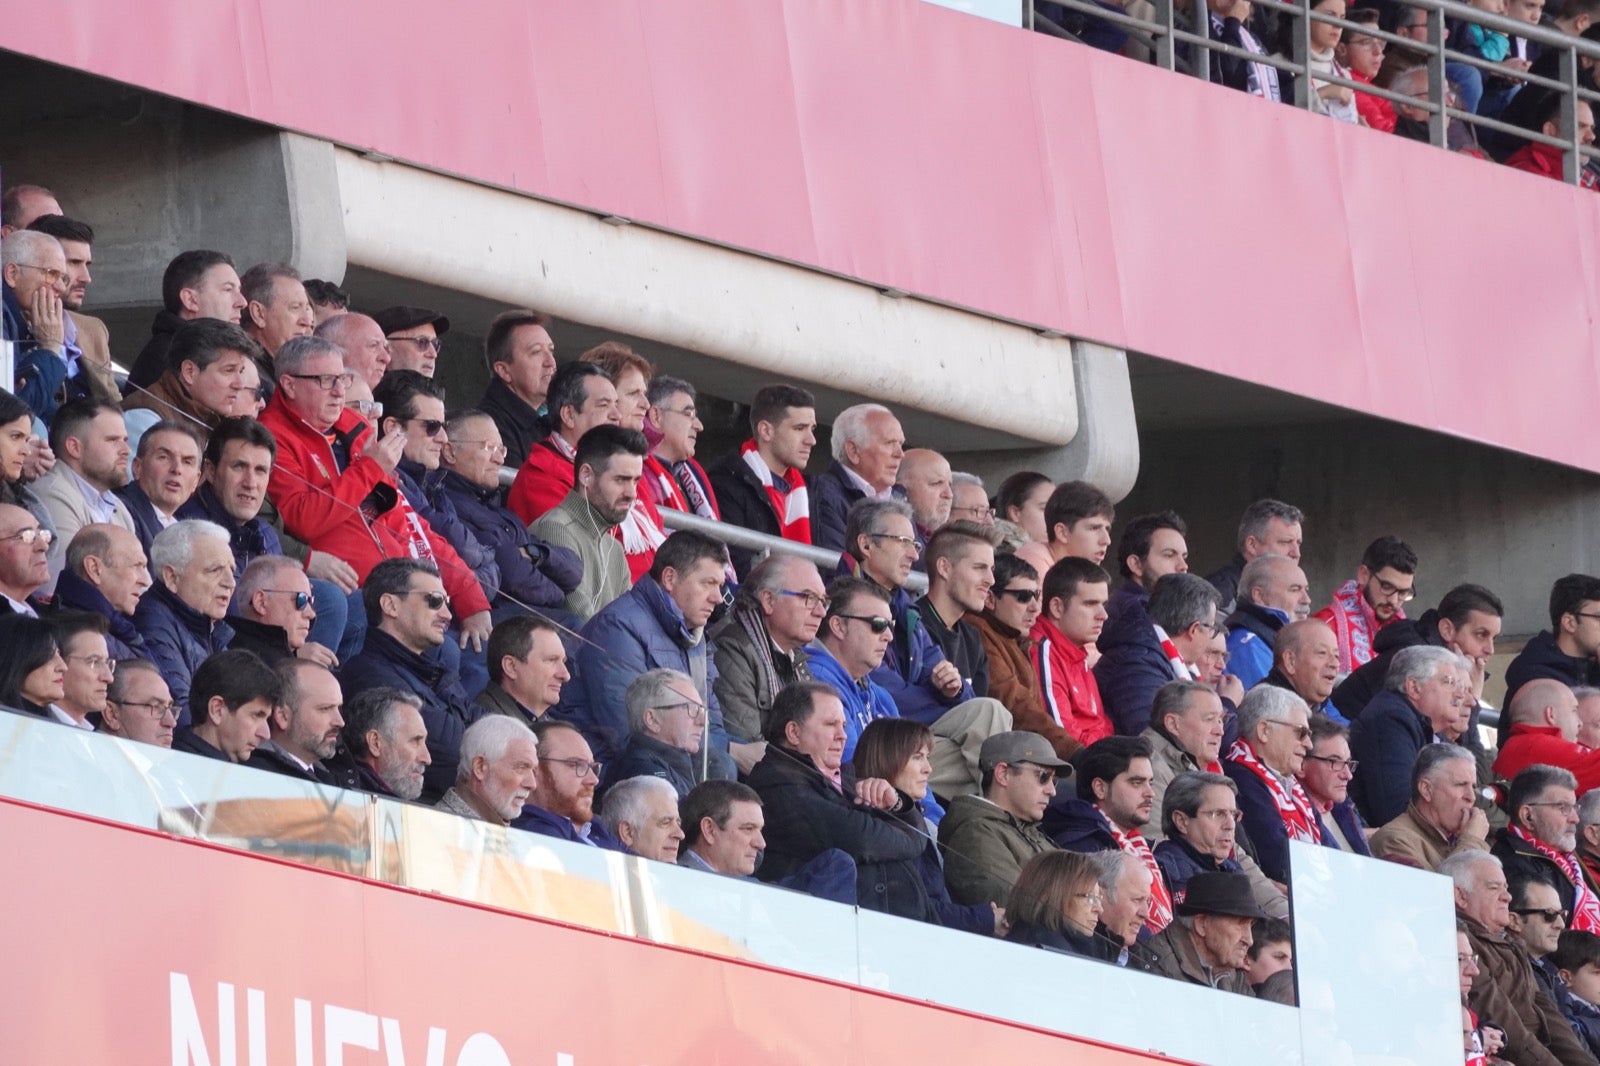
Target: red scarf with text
[792, 508]
[1585, 905]
[1180, 668]
[1294, 806]
[1354, 624]
[1134, 843]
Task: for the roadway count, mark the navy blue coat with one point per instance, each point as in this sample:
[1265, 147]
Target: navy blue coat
[446, 711]
[640, 630]
[1385, 740]
[177, 638]
[39, 372]
[1128, 594]
[1268, 837]
[971, 918]
[1132, 667]
[441, 516]
[549, 824]
[1077, 825]
[186, 739]
[832, 494]
[519, 424]
[1366, 681]
[742, 500]
[648, 757]
[124, 641]
[248, 540]
[145, 523]
[531, 571]
[1179, 862]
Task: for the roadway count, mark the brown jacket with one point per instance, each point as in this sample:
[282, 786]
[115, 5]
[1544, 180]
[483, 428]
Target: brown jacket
[1506, 993]
[169, 399]
[1411, 841]
[94, 341]
[1013, 682]
[1175, 956]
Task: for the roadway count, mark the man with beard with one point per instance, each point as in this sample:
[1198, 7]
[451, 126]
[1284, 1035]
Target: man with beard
[1384, 582]
[497, 774]
[565, 784]
[305, 724]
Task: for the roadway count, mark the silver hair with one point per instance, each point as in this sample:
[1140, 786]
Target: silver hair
[629, 801]
[1401, 82]
[1258, 573]
[490, 737]
[1432, 760]
[650, 690]
[961, 477]
[851, 425]
[1112, 865]
[1589, 809]
[23, 245]
[1261, 513]
[1267, 703]
[1185, 793]
[1462, 867]
[1180, 600]
[260, 573]
[773, 573]
[174, 546]
[1420, 663]
[297, 352]
[868, 516]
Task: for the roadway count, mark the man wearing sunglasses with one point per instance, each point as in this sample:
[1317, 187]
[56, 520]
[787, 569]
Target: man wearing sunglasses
[272, 612]
[1384, 583]
[414, 337]
[850, 644]
[1540, 842]
[1005, 626]
[986, 839]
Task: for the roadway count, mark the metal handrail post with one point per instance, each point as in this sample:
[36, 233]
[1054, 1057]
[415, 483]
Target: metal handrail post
[1166, 54]
[1572, 158]
[1202, 28]
[1438, 82]
[1300, 52]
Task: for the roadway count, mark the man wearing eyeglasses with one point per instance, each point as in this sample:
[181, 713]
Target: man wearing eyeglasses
[1540, 842]
[986, 839]
[667, 719]
[1200, 834]
[139, 706]
[1274, 740]
[33, 281]
[414, 337]
[1423, 700]
[970, 500]
[761, 646]
[1545, 724]
[24, 561]
[1384, 582]
[1441, 818]
[1005, 626]
[81, 636]
[1326, 778]
[566, 780]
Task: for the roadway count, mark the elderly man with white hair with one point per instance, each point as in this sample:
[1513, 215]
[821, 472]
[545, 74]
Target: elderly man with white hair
[181, 616]
[666, 719]
[498, 771]
[642, 812]
[1265, 762]
[1424, 699]
[1441, 818]
[35, 279]
[868, 445]
[1505, 989]
[1125, 883]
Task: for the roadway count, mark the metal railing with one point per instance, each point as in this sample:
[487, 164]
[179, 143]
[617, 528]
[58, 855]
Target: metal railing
[739, 537]
[1181, 40]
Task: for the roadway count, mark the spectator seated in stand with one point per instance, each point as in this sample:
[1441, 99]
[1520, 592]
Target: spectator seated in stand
[497, 773]
[1325, 775]
[1149, 647]
[1019, 507]
[672, 477]
[1422, 699]
[1273, 592]
[1384, 583]
[1056, 904]
[32, 673]
[1077, 519]
[304, 724]
[1542, 838]
[986, 839]
[581, 398]
[21, 456]
[970, 500]
[1546, 160]
[1576, 961]
[1544, 729]
[383, 748]
[722, 823]
[1305, 660]
[760, 647]
[522, 360]
[610, 462]
[667, 723]
[1270, 961]
[532, 573]
[367, 353]
[24, 561]
[1200, 824]
[106, 573]
[182, 615]
[277, 309]
[203, 383]
[1073, 600]
[1185, 734]
[1209, 943]
[1362, 54]
[813, 803]
[1151, 547]
[924, 476]
[1442, 818]
[527, 667]
[138, 705]
[1011, 609]
[567, 777]
[762, 486]
[408, 616]
[845, 655]
[414, 337]
[868, 445]
[1274, 739]
[232, 695]
[272, 614]
[642, 812]
[1266, 526]
[196, 284]
[327, 299]
[641, 532]
[90, 442]
[960, 568]
[1127, 885]
[33, 280]
[166, 472]
[1567, 651]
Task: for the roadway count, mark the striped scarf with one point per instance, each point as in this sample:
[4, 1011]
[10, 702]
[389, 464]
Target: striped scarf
[1354, 624]
[1294, 806]
[1134, 843]
[1585, 906]
[1180, 669]
[790, 504]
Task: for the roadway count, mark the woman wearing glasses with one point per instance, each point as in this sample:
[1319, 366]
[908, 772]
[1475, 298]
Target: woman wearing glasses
[16, 436]
[33, 674]
[1056, 904]
[897, 750]
[1200, 816]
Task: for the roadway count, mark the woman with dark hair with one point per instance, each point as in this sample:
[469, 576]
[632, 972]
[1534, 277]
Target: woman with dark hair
[1021, 501]
[32, 673]
[1056, 904]
[897, 750]
[16, 433]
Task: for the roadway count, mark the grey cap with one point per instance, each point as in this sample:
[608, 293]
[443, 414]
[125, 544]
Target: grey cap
[1019, 745]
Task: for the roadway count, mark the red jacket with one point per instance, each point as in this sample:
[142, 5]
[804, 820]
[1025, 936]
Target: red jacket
[1070, 693]
[1531, 745]
[1378, 112]
[323, 507]
[1545, 160]
[544, 481]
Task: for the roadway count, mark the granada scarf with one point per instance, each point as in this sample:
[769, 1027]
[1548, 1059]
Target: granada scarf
[1294, 806]
[1585, 905]
[1355, 625]
[793, 508]
[1134, 843]
[1180, 669]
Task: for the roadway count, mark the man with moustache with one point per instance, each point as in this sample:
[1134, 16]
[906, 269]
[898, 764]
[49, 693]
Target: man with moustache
[497, 774]
[305, 724]
[566, 780]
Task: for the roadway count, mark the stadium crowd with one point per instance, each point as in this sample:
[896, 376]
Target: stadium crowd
[1482, 72]
[278, 546]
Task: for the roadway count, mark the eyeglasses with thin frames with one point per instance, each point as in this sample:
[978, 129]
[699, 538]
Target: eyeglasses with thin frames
[156, 709]
[811, 600]
[905, 542]
[697, 710]
[581, 768]
[28, 536]
[56, 277]
[96, 663]
[1567, 809]
[326, 382]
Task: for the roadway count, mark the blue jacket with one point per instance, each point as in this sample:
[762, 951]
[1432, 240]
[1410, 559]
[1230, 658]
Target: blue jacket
[531, 571]
[145, 522]
[1131, 667]
[177, 638]
[549, 824]
[908, 662]
[1349, 820]
[832, 496]
[248, 540]
[1128, 594]
[440, 513]
[446, 711]
[124, 641]
[640, 630]
[648, 757]
[863, 700]
[1179, 862]
[39, 372]
[1263, 825]
[1077, 825]
[1252, 633]
[1385, 740]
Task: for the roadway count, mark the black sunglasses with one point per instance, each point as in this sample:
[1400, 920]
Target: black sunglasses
[302, 600]
[877, 624]
[1020, 595]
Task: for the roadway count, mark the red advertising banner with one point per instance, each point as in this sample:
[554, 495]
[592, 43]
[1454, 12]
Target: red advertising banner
[122, 946]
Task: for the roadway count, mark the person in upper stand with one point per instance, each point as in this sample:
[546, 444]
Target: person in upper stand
[925, 476]
[868, 445]
[1149, 647]
[1441, 818]
[1467, 621]
[1423, 698]
[762, 486]
[1384, 582]
[195, 284]
[610, 463]
[1077, 518]
[761, 646]
[672, 475]
[522, 360]
[1274, 740]
[1267, 526]
[642, 531]
[581, 397]
[1305, 660]
[33, 281]
[1074, 611]
[1186, 730]
[1273, 592]
[1544, 729]
[1151, 547]
[305, 723]
[1566, 651]
[960, 567]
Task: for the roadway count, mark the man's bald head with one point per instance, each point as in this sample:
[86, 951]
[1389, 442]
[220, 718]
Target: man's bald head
[1546, 702]
[1307, 653]
[925, 475]
[1297, 637]
[366, 349]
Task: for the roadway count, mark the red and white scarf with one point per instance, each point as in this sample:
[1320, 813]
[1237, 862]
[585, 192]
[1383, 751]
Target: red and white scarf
[1585, 905]
[1134, 843]
[1354, 624]
[792, 508]
[1294, 806]
[1180, 669]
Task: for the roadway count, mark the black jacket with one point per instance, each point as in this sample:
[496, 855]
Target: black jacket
[1366, 681]
[1543, 657]
[1226, 582]
[186, 739]
[275, 760]
[646, 756]
[74, 593]
[520, 425]
[152, 359]
[1065, 941]
[961, 644]
[1522, 861]
[806, 816]
[271, 643]
[344, 771]
[145, 522]
[742, 500]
